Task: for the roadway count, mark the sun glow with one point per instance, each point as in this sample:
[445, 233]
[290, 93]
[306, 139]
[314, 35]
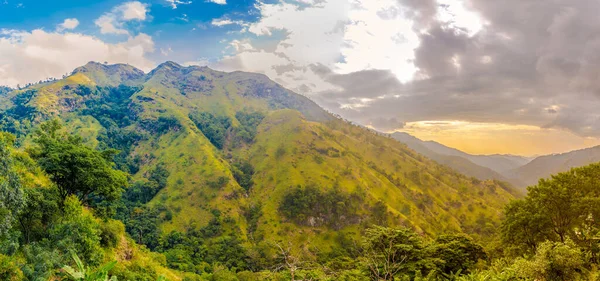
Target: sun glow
[492, 138]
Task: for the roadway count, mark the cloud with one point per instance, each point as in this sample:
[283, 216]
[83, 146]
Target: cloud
[225, 21]
[514, 62]
[386, 124]
[175, 3]
[220, 2]
[54, 54]
[133, 10]
[113, 22]
[68, 24]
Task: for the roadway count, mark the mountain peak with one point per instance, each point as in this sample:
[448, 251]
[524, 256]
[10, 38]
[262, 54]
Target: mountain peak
[109, 74]
[170, 64]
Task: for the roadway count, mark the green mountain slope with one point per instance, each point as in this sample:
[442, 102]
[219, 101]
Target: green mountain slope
[269, 163]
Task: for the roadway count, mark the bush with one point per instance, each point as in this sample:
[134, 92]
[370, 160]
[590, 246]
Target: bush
[111, 232]
[553, 261]
[8, 270]
[77, 231]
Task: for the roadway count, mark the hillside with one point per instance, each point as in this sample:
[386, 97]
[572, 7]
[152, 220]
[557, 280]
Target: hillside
[479, 166]
[545, 166]
[234, 158]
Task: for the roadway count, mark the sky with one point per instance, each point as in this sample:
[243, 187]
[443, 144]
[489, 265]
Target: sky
[483, 76]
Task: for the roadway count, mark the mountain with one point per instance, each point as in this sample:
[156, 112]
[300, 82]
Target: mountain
[545, 166]
[447, 156]
[479, 166]
[518, 170]
[237, 156]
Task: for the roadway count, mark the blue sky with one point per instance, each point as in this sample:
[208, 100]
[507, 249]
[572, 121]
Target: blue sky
[186, 29]
[463, 72]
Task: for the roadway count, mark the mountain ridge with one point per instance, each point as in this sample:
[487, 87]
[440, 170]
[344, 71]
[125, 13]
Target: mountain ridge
[518, 170]
[235, 159]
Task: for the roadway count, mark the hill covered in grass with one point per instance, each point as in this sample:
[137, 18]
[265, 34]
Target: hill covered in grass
[234, 161]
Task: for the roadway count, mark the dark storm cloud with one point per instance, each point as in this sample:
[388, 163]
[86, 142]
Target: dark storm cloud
[535, 62]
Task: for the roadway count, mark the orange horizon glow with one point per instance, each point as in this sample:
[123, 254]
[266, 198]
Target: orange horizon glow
[497, 138]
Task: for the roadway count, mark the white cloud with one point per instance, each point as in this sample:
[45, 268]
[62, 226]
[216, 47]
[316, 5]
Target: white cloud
[68, 24]
[175, 3]
[345, 36]
[113, 21]
[109, 25]
[54, 54]
[220, 2]
[133, 10]
[225, 21]
[166, 52]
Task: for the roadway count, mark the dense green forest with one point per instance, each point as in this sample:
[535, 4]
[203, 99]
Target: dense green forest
[193, 174]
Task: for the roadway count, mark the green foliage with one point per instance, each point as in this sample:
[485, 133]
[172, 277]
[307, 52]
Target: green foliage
[524, 227]
[85, 274]
[553, 261]
[9, 271]
[41, 209]
[253, 214]
[247, 130]
[311, 206]
[143, 226]
[243, 172]
[160, 125]
[557, 209]
[391, 253]
[77, 231]
[41, 262]
[12, 199]
[18, 119]
[75, 168]
[457, 253]
[110, 105]
[218, 183]
[110, 233]
[143, 191]
[213, 127]
[215, 244]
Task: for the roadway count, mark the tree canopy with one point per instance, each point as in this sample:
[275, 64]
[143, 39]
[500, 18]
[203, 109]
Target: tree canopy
[75, 168]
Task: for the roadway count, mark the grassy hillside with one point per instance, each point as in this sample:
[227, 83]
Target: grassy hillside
[236, 155]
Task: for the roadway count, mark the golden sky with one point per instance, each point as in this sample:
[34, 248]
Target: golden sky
[492, 138]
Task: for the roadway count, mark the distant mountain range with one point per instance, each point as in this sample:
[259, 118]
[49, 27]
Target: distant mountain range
[544, 166]
[518, 170]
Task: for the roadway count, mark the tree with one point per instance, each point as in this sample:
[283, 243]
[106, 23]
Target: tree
[41, 209]
[289, 260]
[458, 253]
[566, 206]
[75, 168]
[524, 226]
[391, 253]
[12, 199]
[77, 231]
[553, 261]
